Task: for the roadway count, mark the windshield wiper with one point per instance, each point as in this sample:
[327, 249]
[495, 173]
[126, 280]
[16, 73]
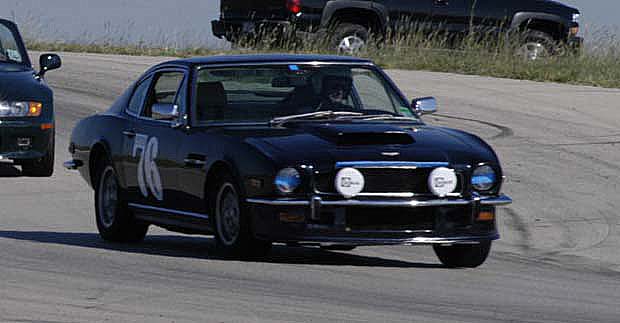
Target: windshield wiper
[371, 117]
[313, 115]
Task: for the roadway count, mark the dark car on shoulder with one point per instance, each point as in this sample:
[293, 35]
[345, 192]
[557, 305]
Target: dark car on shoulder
[26, 106]
[294, 149]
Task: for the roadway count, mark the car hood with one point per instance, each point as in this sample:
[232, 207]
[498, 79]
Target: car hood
[19, 84]
[325, 144]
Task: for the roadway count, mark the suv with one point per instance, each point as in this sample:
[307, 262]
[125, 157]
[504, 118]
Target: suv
[547, 26]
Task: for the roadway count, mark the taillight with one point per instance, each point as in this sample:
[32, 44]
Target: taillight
[293, 6]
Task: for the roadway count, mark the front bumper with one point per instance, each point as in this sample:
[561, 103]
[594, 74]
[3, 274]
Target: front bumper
[376, 221]
[24, 140]
[575, 44]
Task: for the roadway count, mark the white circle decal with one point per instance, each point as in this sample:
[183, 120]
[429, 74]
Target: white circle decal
[442, 181]
[349, 182]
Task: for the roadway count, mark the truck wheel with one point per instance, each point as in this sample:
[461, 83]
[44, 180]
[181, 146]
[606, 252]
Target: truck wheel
[232, 222]
[43, 167]
[115, 221]
[536, 45]
[465, 256]
[349, 39]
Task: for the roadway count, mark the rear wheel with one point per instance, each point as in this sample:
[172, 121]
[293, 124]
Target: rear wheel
[349, 38]
[465, 256]
[233, 232]
[43, 167]
[115, 221]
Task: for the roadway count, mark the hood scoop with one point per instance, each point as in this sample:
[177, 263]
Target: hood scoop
[357, 135]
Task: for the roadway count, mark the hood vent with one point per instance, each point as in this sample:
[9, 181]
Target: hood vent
[373, 138]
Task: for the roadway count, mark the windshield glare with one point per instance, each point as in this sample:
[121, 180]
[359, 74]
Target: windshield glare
[261, 93]
[9, 49]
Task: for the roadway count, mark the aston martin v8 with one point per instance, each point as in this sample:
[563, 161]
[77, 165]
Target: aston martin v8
[294, 149]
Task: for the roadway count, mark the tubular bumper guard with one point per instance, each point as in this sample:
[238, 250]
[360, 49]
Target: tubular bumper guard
[315, 202]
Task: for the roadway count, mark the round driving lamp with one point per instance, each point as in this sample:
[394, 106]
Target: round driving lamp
[483, 178]
[287, 180]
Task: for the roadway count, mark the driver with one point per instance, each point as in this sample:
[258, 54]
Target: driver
[335, 92]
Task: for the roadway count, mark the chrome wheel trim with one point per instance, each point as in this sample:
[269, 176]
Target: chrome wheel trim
[228, 214]
[351, 44]
[108, 197]
[533, 51]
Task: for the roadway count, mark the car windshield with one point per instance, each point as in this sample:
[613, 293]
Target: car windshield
[295, 92]
[10, 51]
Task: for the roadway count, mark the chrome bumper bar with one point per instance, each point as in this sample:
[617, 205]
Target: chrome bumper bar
[412, 203]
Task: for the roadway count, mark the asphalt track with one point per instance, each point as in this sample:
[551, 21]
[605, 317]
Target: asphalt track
[557, 261]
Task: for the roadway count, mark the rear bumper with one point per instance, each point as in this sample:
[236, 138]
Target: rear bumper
[24, 140]
[376, 222]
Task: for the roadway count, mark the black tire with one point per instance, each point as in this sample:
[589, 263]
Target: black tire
[234, 236]
[536, 44]
[352, 34]
[464, 256]
[115, 221]
[43, 167]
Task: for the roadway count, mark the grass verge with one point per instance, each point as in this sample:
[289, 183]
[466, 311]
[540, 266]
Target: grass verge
[600, 67]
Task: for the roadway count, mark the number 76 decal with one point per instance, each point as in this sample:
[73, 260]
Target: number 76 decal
[148, 173]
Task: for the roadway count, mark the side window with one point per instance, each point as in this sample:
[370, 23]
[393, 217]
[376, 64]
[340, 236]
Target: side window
[137, 99]
[163, 92]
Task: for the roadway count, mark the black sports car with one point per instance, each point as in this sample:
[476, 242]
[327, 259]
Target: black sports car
[316, 150]
[26, 106]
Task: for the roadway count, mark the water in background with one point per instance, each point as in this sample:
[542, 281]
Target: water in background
[184, 23]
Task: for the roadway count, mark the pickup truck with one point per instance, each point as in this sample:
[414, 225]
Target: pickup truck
[547, 26]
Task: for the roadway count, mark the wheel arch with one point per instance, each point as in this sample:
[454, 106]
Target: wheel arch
[553, 25]
[355, 11]
[98, 150]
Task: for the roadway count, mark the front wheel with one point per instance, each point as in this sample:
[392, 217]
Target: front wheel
[233, 232]
[464, 256]
[43, 167]
[115, 221]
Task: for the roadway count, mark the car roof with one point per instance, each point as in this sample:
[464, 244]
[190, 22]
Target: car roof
[266, 58]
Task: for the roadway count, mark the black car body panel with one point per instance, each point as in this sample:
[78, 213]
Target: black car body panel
[243, 17]
[24, 139]
[190, 155]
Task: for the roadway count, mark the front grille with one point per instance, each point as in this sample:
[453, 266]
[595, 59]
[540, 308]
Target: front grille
[387, 180]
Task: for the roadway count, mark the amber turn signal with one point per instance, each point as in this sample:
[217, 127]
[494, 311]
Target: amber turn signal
[486, 216]
[574, 31]
[47, 126]
[288, 217]
[34, 109]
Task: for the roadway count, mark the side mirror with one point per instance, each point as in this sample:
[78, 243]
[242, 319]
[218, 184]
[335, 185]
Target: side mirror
[165, 111]
[426, 105]
[49, 62]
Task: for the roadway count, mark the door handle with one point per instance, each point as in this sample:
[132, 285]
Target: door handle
[195, 161]
[441, 2]
[129, 133]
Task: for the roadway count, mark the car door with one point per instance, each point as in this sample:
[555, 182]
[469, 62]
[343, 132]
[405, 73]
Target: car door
[406, 15]
[452, 16]
[155, 140]
[129, 159]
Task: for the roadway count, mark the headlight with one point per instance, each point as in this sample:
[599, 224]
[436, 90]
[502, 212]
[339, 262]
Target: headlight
[576, 17]
[20, 109]
[287, 180]
[483, 178]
